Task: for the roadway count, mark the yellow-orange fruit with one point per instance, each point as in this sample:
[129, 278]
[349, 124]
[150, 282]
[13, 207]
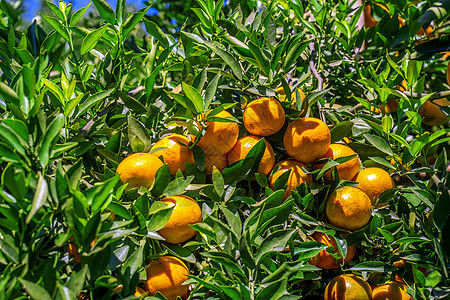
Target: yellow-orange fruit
[448, 73]
[282, 95]
[296, 177]
[391, 291]
[349, 208]
[369, 21]
[431, 112]
[166, 275]
[139, 169]
[307, 139]
[185, 212]
[348, 287]
[374, 181]
[326, 261]
[263, 117]
[243, 147]
[219, 161]
[176, 152]
[346, 170]
[220, 137]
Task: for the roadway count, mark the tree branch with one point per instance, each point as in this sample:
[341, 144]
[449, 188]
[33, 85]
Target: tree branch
[433, 96]
[319, 79]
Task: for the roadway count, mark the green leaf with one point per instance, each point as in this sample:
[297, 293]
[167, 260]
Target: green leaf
[178, 186]
[120, 10]
[228, 59]
[55, 89]
[155, 31]
[36, 291]
[50, 137]
[379, 143]
[372, 266]
[137, 130]
[275, 242]
[162, 179]
[92, 100]
[161, 213]
[194, 96]
[58, 26]
[225, 260]
[78, 15]
[132, 21]
[56, 10]
[218, 181]
[92, 39]
[39, 199]
[211, 91]
[340, 131]
[274, 290]
[233, 220]
[8, 94]
[106, 12]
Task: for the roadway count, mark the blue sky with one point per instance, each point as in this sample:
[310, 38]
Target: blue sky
[32, 6]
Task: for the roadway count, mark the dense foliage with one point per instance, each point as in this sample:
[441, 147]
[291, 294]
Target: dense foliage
[79, 93]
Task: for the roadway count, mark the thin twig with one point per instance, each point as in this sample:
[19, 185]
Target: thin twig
[439, 183]
[433, 96]
[319, 79]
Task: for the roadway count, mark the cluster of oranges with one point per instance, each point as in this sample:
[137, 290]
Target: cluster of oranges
[349, 286]
[308, 143]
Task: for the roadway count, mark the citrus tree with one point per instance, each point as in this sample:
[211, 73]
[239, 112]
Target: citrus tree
[225, 150]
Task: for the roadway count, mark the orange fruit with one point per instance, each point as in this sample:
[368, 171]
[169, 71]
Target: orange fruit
[431, 112]
[176, 154]
[185, 212]
[219, 161]
[140, 292]
[139, 169]
[326, 261]
[263, 117]
[346, 170]
[282, 95]
[307, 139]
[349, 208]
[243, 147]
[374, 181]
[72, 249]
[448, 73]
[391, 291]
[219, 137]
[348, 287]
[166, 275]
[368, 19]
[296, 177]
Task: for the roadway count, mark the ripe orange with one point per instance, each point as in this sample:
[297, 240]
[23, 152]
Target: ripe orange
[326, 261]
[391, 290]
[346, 170]
[166, 275]
[296, 177]
[368, 19]
[349, 208]
[176, 153]
[431, 112]
[448, 73]
[139, 169]
[263, 117]
[219, 161]
[219, 137]
[186, 212]
[243, 147]
[72, 249]
[282, 95]
[348, 287]
[307, 139]
[374, 181]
